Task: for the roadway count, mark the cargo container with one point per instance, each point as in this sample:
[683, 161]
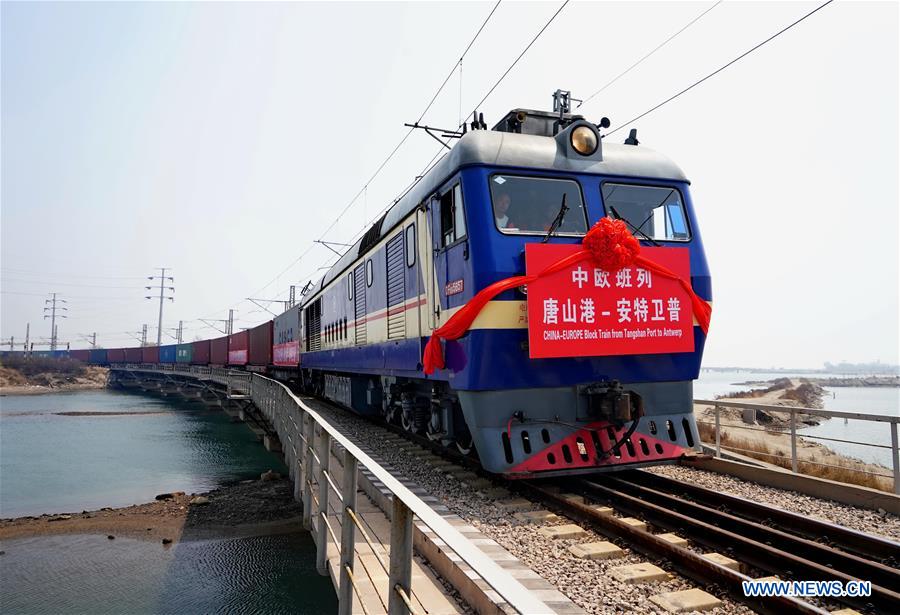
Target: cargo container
[184, 353]
[98, 356]
[80, 355]
[260, 345]
[238, 344]
[167, 353]
[218, 351]
[286, 338]
[56, 354]
[115, 355]
[201, 353]
[150, 354]
[133, 355]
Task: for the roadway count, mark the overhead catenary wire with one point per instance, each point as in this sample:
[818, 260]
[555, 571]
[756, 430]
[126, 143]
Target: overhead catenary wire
[519, 57]
[646, 56]
[384, 162]
[409, 132]
[719, 70]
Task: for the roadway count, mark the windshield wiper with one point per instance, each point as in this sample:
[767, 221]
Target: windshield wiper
[654, 208]
[634, 228]
[558, 220]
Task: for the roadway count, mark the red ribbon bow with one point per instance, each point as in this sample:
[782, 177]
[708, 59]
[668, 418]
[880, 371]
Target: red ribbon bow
[608, 244]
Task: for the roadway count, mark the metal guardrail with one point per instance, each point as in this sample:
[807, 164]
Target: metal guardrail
[891, 421]
[306, 440]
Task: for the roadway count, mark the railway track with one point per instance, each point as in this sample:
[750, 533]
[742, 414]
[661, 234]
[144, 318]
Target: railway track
[763, 538]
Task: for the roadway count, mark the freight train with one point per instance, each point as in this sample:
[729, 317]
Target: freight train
[357, 336]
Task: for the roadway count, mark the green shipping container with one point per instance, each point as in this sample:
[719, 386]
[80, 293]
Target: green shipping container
[184, 353]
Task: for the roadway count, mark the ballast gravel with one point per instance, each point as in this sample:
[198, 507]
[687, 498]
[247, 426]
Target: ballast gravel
[586, 582]
[881, 522]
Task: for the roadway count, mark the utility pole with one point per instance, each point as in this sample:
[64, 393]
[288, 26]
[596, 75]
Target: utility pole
[144, 336]
[53, 309]
[180, 331]
[229, 328]
[27, 335]
[162, 296]
[11, 342]
[292, 299]
[89, 338]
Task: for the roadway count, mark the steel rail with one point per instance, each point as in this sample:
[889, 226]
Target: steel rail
[686, 562]
[867, 545]
[851, 564]
[758, 554]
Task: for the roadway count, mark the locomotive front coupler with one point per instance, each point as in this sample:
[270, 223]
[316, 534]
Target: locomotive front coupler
[610, 402]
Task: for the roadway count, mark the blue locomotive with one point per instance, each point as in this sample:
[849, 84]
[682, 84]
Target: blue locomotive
[360, 332]
[357, 337]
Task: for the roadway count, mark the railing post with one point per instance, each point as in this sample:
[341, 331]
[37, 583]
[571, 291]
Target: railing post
[718, 435]
[348, 535]
[401, 556]
[322, 529]
[794, 463]
[307, 474]
[895, 454]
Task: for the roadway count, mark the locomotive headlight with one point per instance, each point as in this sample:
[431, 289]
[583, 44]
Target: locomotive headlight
[584, 140]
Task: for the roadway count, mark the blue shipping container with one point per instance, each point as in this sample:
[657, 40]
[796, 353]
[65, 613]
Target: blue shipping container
[167, 353]
[98, 356]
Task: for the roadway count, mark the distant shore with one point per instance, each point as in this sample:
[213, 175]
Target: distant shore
[248, 508]
[838, 381]
[41, 376]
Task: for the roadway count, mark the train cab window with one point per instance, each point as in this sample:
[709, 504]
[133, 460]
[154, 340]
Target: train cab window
[530, 205]
[655, 212]
[370, 273]
[350, 287]
[453, 221]
[410, 245]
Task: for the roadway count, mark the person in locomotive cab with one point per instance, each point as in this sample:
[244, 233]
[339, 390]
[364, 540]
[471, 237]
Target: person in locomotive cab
[501, 207]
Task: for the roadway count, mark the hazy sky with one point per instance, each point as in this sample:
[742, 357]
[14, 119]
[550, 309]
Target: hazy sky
[220, 139]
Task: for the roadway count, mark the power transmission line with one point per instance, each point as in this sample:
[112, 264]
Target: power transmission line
[719, 70]
[654, 50]
[69, 275]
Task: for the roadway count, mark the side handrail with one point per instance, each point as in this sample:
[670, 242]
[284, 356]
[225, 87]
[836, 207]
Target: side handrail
[793, 411]
[406, 502]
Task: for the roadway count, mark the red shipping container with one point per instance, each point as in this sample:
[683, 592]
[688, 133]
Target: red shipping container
[261, 344]
[150, 354]
[238, 344]
[115, 355]
[133, 355]
[218, 351]
[200, 353]
[80, 355]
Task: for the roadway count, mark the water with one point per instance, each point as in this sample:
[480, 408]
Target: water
[865, 400]
[92, 575]
[121, 449]
[133, 448]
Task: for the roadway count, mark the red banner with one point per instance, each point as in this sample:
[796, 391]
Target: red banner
[583, 310]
